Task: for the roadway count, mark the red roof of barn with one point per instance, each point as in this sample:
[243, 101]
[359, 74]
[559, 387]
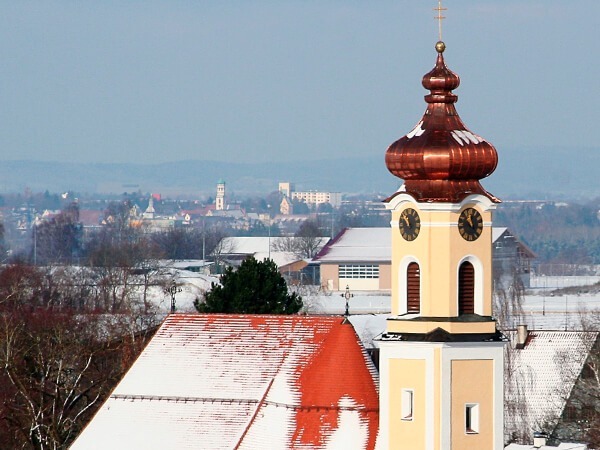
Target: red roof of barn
[243, 381]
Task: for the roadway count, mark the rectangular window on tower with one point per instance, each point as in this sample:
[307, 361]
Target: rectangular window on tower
[407, 404]
[472, 418]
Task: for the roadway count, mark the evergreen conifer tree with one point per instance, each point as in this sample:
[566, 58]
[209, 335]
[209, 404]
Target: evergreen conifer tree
[256, 287]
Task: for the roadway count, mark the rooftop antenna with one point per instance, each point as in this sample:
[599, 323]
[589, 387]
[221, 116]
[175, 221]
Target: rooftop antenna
[439, 17]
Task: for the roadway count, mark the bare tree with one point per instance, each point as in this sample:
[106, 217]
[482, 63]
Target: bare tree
[222, 247]
[180, 243]
[508, 296]
[120, 259]
[56, 365]
[58, 239]
[304, 244]
[308, 239]
[285, 244]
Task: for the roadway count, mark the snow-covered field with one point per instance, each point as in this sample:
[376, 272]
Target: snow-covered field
[571, 312]
[542, 311]
[192, 284]
[361, 303]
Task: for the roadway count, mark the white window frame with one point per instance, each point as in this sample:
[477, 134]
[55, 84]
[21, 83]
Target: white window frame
[358, 271]
[472, 418]
[407, 404]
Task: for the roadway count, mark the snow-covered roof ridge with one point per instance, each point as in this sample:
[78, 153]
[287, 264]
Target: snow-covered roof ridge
[359, 245]
[253, 381]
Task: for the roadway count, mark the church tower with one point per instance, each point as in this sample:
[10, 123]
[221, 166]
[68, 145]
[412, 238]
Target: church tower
[441, 360]
[220, 198]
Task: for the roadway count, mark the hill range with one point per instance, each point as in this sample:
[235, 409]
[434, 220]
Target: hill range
[540, 173]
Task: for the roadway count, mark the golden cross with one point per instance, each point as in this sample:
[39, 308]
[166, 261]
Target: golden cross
[439, 16]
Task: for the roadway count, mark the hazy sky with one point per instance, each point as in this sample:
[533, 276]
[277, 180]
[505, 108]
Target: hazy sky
[153, 81]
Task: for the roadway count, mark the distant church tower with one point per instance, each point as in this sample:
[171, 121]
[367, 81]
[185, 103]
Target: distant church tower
[441, 360]
[150, 211]
[220, 198]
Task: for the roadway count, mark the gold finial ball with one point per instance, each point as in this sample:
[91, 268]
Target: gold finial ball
[440, 46]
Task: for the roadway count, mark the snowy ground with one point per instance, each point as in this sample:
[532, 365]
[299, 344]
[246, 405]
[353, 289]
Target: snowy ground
[545, 312]
[335, 303]
[542, 311]
[192, 284]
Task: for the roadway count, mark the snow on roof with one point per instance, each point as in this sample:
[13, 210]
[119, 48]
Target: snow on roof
[358, 245]
[184, 263]
[369, 326]
[497, 232]
[248, 245]
[279, 258]
[541, 376]
[562, 446]
[241, 381]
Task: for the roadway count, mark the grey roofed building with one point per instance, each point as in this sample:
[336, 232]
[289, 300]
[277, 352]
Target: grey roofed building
[541, 369]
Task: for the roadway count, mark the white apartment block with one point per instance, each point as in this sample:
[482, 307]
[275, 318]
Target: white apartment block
[316, 198]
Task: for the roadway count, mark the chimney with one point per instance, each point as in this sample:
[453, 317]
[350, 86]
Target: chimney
[522, 334]
[539, 439]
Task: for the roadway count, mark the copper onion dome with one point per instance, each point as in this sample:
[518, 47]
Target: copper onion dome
[440, 160]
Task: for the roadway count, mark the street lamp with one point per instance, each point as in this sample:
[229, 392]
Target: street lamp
[172, 290]
[347, 295]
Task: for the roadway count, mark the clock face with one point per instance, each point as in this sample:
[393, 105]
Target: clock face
[410, 224]
[470, 224]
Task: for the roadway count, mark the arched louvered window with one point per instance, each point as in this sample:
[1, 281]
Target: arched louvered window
[413, 288]
[466, 288]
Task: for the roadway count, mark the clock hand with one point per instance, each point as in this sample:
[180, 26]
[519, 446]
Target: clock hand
[470, 220]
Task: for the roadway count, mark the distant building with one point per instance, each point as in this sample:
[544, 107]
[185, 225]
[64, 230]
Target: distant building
[313, 198]
[543, 371]
[512, 258]
[317, 198]
[233, 250]
[286, 188]
[220, 198]
[286, 207]
[359, 258]
[150, 211]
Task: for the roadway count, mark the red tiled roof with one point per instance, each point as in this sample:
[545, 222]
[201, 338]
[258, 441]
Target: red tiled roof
[289, 381]
[90, 217]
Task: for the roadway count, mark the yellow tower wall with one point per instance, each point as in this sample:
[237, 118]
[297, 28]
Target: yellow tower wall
[440, 248]
[444, 377]
[472, 383]
[409, 374]
[451, 374]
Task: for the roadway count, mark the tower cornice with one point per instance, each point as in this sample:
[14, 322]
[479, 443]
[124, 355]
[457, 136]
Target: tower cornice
[401, 197]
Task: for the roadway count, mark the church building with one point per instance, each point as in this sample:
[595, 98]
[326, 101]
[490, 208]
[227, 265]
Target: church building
[441, 360]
